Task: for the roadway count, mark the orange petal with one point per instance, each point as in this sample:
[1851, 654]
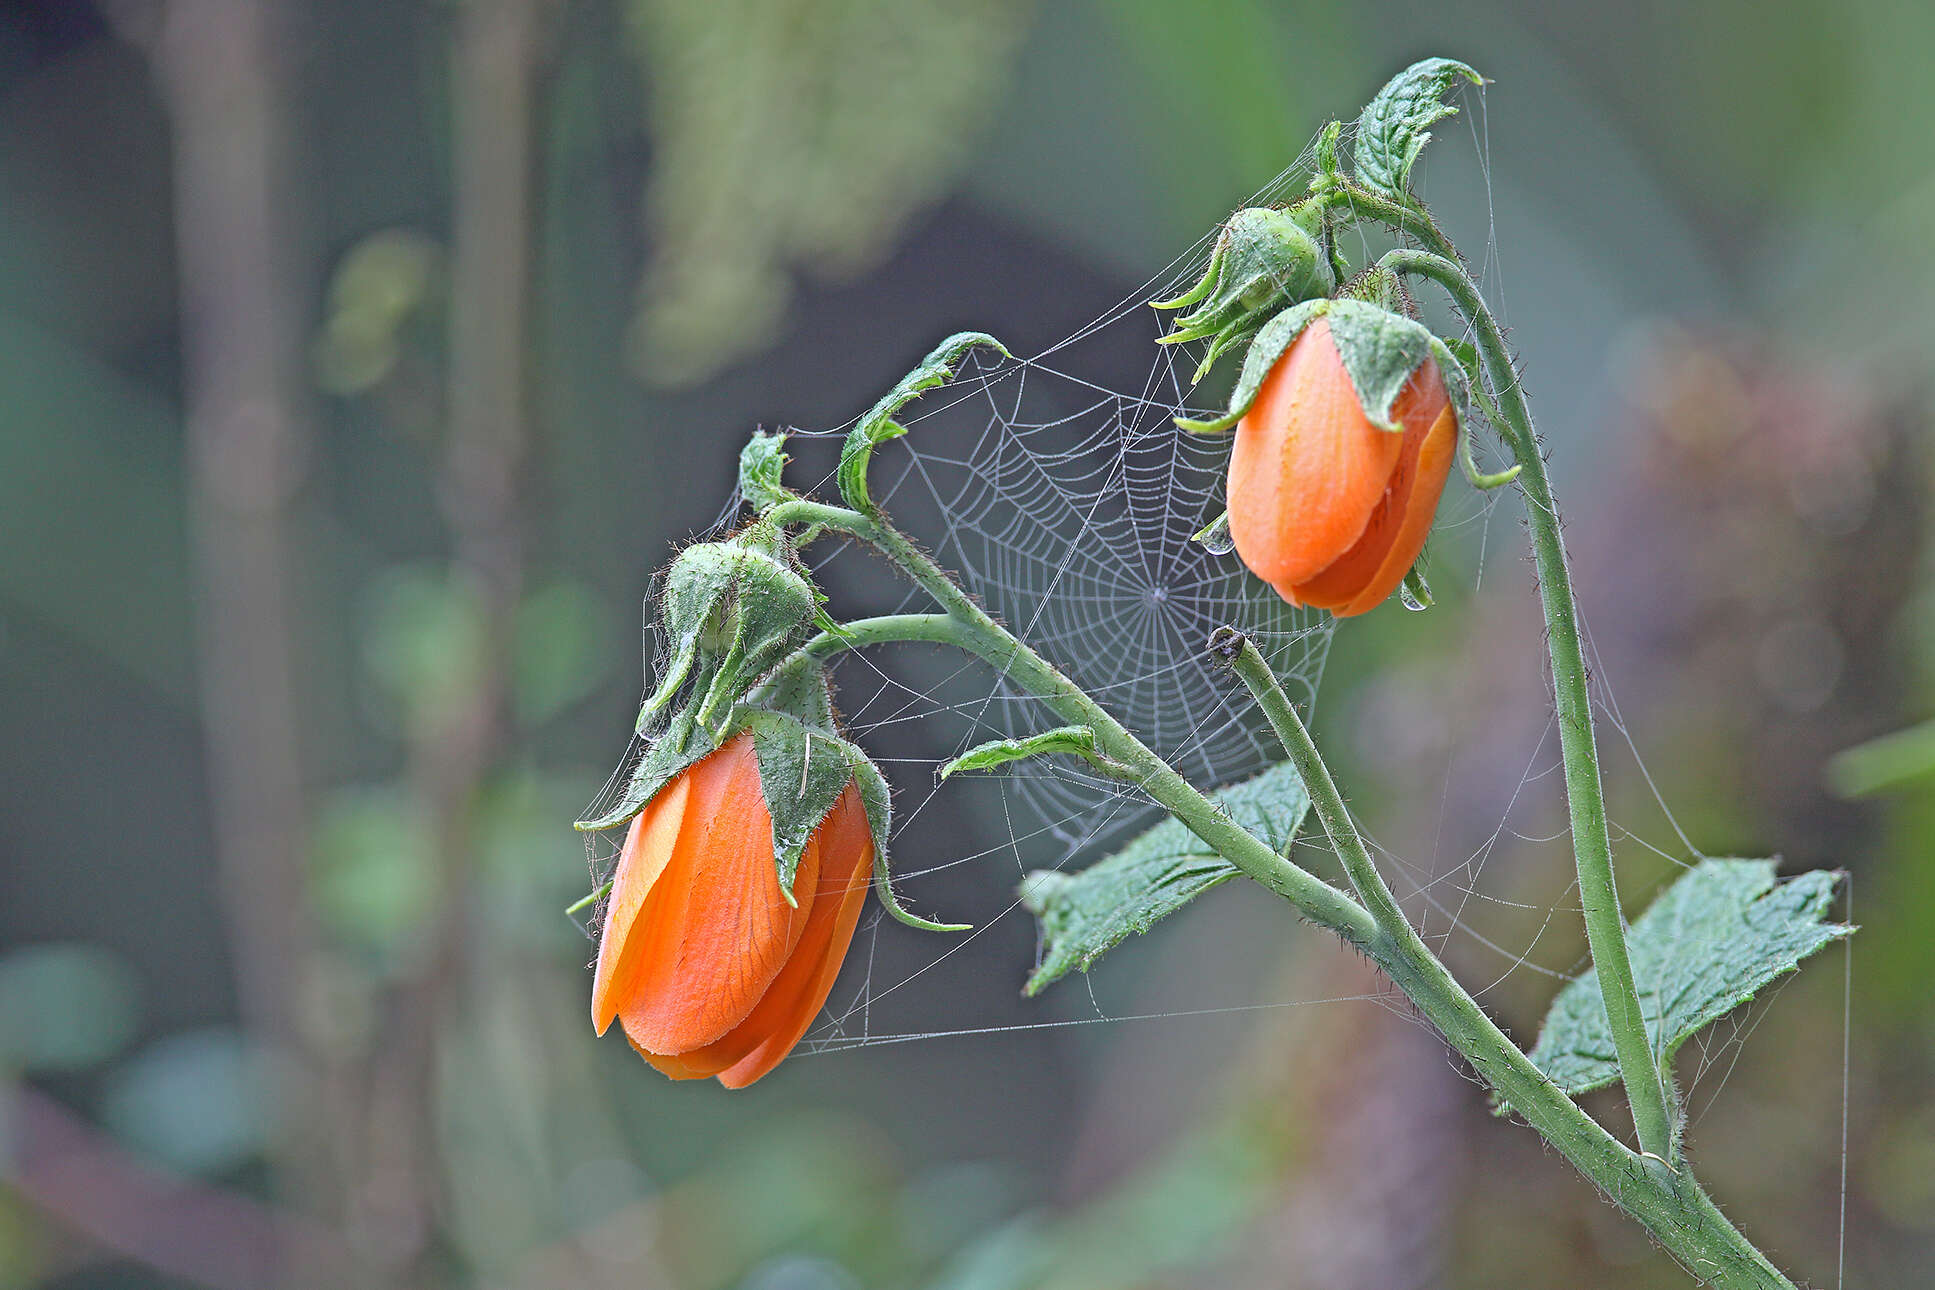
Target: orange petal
[1366, 575]
[716, 930]
[844, 845]
[1308, 468]
[648, 845]
[1416, 481]
[801, 991]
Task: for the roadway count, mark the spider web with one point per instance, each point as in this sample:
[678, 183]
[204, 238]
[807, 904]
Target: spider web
[1063, 496]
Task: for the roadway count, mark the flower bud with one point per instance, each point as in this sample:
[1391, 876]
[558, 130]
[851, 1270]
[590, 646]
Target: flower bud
[714, 967]
[733, 610]
[1328, 506]
[1265, 261]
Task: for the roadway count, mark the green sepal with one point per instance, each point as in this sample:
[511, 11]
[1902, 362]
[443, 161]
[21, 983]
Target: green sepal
[1396, 124]
[1460, 384]
[1327, 173]
[761, 464]
[798, 686]
[802, 772]
[1720, 934]
[682, 742]
[1083, 915]
[1265, 260]
[1076, 740]
[1381, 350]
[1271, 341]
[877, 798]
[733, 610]
[878, 425]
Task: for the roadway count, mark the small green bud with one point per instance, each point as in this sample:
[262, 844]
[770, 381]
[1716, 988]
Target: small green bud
[733, 610]
[1265, 261]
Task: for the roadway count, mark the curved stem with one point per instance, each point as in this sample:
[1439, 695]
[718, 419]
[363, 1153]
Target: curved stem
[1670, 1205]
[884, 630]
[969, 626]
[1585, 794]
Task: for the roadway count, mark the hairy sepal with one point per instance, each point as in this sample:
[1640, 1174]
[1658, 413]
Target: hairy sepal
[682, 742]
[1380, 351]
[877, 798]
[1396, 124]
[762, 462]
[1085, 914]
[802, 772]
[878, 425]
[1271, 341]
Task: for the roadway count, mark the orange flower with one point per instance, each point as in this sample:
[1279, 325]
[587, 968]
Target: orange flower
[708, 968]
[1324, 506]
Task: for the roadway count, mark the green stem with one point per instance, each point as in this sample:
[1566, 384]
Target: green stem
[970, 627]
[1670, 1205]
[884, 630]
[1591, 841]
[1407, 219]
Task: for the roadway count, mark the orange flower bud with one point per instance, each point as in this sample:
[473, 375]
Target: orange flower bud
[1325, 506]
[702, 960]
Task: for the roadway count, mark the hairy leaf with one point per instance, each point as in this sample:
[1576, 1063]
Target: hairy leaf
[1085, 914]
[1711, 942]
[1396, 124]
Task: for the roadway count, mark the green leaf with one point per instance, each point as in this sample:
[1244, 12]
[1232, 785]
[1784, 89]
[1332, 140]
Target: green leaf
[1078, 740]
[802, 773]
[1396, 124]
[761, 464]
[1711, 942]
[878, 425]
[1084, 915]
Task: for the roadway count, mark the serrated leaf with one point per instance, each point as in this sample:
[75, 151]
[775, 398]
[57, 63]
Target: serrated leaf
[1076, 740]
[1086, 914]
[802, 773]
[878, 425]
[1396, 124]
[1712, 941]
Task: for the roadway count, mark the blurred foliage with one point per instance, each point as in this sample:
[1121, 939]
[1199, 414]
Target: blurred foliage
[794, 135]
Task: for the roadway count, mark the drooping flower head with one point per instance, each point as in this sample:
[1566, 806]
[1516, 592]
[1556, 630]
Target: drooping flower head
[1348, 416]
[705, 962]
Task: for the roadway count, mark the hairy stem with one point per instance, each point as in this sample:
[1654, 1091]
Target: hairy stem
[1585, 794]
[1670, 1204]
[971, 628]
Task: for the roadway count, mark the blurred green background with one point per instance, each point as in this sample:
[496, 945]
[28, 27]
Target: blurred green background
[359, 361]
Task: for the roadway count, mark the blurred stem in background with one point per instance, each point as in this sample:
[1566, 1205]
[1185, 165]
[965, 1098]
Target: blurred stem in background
[221, 65]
